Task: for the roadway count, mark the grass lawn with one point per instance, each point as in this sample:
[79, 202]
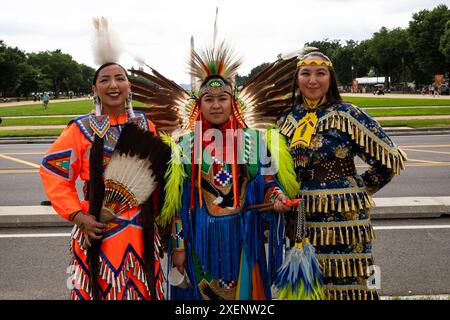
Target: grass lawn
[416, 123]
[395, 102]
[54, 108]
[35, 121]
[30, 133]
[385, 112]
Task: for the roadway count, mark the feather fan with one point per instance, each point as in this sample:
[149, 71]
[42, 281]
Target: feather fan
[136, 168]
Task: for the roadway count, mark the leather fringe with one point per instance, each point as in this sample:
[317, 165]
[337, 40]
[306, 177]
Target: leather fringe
[80, 279]
[390, 156]
[340, 202]
[345, 266]
[350, 293]
[288, 127]
[341, 233]
[118, 282]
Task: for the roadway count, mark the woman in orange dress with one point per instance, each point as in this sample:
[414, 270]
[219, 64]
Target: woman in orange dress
[119, 259]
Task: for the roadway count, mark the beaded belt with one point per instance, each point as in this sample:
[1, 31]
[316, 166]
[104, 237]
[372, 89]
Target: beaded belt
[330, 170]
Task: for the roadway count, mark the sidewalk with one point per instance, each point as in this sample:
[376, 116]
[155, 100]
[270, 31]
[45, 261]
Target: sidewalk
[394, 95]
[28, 102]
[386, 208]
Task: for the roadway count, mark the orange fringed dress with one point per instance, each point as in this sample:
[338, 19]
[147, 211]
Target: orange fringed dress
[122, 273]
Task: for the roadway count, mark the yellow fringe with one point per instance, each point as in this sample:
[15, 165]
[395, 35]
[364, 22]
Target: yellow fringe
[349, 293]
[174, 183]
[345, 266]
[324, 202]
[347, 233]
[392, 157]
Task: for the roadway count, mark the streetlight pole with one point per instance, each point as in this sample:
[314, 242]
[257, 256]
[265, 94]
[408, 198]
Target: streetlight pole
[351, 83]
[403, 74]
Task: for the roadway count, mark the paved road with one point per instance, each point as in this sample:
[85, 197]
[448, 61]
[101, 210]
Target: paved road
[427, 171]
[412, 256]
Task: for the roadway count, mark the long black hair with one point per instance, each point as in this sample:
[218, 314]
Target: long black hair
[333, 95]
[96, 195]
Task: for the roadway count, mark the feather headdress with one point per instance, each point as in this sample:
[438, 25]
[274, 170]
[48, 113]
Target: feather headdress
[257, 104]
[217, 60]
[107, 46]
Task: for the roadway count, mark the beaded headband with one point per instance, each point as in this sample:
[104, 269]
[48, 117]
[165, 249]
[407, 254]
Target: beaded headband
[215, 87]
[306, 61]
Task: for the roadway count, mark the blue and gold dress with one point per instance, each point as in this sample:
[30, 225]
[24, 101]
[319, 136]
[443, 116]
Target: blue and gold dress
[324, 143]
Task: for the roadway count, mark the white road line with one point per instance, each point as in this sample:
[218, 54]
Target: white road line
[56, 235]
[442, 226]
[34, 235]
[34, 165]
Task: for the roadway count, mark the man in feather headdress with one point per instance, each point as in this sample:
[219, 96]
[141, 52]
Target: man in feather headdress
[218, 179]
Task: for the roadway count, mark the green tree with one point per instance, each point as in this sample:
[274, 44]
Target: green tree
[387, 49]
[10, 73]
[444, 45]
[242, 80]
[326, 46]
[59, 67]
[362, 61]
[425, 32]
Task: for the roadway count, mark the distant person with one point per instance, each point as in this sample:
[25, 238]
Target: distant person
[437, 91]
[45, 100]
[431, 90]
[424, 90]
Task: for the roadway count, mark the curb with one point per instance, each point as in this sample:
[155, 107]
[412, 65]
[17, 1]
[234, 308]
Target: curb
[393, 131]
[386, 209]
[27, 140]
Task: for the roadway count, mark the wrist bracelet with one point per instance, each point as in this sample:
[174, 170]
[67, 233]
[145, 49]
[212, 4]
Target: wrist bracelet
[73, 215]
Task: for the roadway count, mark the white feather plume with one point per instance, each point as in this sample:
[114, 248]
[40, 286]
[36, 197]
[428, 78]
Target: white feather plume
[107, 46]
[297, 53]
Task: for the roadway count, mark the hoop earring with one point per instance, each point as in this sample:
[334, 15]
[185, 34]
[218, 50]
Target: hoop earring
[130, 105]
[97, 105]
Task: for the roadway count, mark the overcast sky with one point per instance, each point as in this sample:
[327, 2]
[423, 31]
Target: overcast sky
[160, 31]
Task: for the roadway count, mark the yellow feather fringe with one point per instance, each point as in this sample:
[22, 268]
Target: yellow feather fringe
[279, 151]
[288, 294]
[174, 177]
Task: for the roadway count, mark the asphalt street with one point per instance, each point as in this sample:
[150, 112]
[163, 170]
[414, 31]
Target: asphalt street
[427, 172]
[412, 256]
